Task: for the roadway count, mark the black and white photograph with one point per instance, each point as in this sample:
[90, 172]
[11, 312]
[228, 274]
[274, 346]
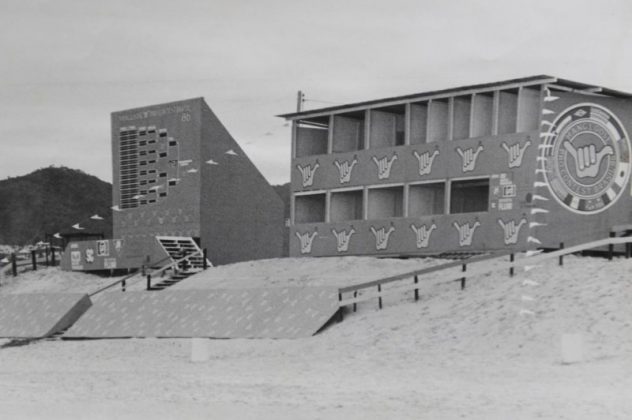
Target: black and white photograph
[288, 210]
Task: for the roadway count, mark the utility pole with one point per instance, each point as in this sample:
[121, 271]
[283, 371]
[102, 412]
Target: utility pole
[300, 98]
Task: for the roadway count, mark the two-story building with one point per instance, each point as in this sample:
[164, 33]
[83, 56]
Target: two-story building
[531, 161]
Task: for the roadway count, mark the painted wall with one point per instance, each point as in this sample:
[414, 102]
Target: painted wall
[241, 214]
[508, 161]
[584, 168]
[169, 201]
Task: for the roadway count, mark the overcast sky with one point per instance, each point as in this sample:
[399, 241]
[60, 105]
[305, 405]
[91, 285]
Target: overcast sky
[65, 65]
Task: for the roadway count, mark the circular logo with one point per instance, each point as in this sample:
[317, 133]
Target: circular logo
[586, 158]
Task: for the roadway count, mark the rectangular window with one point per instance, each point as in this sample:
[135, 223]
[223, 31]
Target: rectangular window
[173, 143]
[418, 123]
[507, 111]
[162, 154]
[482, 114]
[385, 203]
[438, 120]
[312, 137]
[461, 110]
[309, 208]
[469, 196]
[163, 194]
[346, 205]
[529, 109]
[348, 135]
[426, 199]
[387, 127]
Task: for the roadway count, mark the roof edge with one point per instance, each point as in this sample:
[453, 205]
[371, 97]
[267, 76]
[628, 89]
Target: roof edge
[530, 80]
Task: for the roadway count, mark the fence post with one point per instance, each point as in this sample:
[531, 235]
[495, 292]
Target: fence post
[123, 285]
[355, 295]
[14, 265]
[561, 262]
[611, 246]
[148, 281]
[416, 290]
[379, 299]
[463, 269]
[34, 260]
[47, 262]
[340, 314]
[511, 269]
[52, 257]
[204, 262]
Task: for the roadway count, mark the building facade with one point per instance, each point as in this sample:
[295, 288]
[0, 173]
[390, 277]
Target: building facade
[507, 165]
[181, 182]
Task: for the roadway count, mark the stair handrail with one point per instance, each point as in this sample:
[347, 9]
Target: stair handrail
[484, 270]
[176, 262]
[124, 279]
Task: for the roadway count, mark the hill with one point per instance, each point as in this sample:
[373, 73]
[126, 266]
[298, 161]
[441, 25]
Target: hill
[51, 200]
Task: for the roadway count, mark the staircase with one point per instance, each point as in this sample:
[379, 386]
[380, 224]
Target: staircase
[178, 247]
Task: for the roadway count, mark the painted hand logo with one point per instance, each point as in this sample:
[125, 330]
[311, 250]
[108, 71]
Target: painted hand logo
[384, 166]
[423, 234]
[343, 239]
[306, 239]
[381, 237]
[425, 161]
[307, 172]
[515, 153]
[466, 233]
[345, 169]
[587, 159]
[469, 157]
[511, 230]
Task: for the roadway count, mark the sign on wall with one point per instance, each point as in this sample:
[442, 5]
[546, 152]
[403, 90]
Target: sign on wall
[586, 158]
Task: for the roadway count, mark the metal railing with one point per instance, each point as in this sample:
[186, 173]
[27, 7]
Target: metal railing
[510, 265]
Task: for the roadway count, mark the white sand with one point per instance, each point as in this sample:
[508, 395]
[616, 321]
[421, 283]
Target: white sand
[454, 354]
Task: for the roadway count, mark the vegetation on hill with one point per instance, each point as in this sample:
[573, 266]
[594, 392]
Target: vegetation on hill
[51, 200]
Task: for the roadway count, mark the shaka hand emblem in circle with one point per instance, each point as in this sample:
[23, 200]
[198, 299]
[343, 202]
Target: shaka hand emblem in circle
[587, 159]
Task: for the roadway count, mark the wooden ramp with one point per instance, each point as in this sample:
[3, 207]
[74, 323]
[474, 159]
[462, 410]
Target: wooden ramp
[289, 312]
[37, 315]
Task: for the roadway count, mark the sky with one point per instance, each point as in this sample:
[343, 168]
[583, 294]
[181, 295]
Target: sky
[66, 65]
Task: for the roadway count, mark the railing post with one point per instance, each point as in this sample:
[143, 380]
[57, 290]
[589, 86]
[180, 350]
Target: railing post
[204, 262]
[14, 265]
[611, 247]
[148, 281]
[561, 259]
[511, 269]
[463, 269]
[416, 290]
[340, 314]
[34, 260]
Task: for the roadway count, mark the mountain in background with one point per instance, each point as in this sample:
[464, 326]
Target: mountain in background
[51, 200]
